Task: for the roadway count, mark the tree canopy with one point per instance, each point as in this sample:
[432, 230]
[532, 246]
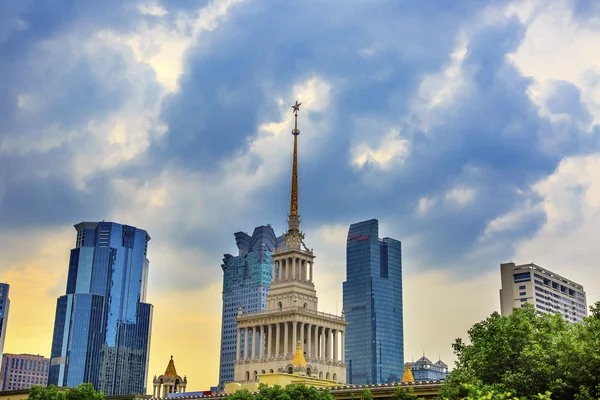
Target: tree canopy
[84, 391]
[526, 354]
[290, 392]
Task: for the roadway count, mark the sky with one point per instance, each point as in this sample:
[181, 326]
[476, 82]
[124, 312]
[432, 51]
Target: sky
[470, 129]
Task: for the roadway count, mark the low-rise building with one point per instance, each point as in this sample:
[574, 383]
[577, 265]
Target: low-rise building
[425, 370]
[22, 371]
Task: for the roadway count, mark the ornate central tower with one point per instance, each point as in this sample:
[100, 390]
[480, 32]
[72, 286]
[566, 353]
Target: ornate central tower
[291, 324]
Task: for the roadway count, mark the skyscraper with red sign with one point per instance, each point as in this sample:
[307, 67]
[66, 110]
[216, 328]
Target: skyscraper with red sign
[373, 306]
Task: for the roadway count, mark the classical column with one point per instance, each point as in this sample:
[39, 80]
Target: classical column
[335, 345]
[253, 343]
[294, 336]
[342, 346]
[269, 340]
[327, 343]
[237, 349]
[302, 336]
[285, 339]
[308, 341]
[261, 343]
[273, 271]
[321, 338]
[277, 339]
[310, 264]
[246, 344]
[315, 343]
[304, 270]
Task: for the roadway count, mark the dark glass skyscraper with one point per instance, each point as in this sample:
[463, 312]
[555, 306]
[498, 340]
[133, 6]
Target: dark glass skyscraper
[246, 281]
[4, 307]
[373, 306]
[102, 325]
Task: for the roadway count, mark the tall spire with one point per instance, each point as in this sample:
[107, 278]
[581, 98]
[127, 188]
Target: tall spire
[293, 237]
[294, 217]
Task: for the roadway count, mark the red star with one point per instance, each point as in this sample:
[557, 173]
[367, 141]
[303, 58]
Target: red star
[296, 107]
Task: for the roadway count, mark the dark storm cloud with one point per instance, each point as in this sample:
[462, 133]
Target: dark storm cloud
[494, 129]
[226, 89]
[49, 92]
[374, 54]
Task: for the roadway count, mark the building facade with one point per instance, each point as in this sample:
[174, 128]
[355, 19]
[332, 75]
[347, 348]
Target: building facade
[373, 306]
[4, 308]
[425, 370]
[547, 291]
[102, 324]
[22, 371]
[246, 280]
[268, 340]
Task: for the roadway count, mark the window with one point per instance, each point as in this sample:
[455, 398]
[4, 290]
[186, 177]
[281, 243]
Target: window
[522, 293]
[522, 277]
[522, 287]
[523, 300]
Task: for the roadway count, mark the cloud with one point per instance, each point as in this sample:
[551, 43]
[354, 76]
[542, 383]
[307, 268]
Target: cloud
[565, 243]
[460, 196]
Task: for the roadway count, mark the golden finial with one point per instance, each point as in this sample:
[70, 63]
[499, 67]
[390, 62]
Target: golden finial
[299, 357]
[408, 376]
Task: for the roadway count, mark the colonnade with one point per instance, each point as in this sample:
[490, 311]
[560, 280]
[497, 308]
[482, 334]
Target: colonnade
[292, 268]
[162, 388]
[280, 340]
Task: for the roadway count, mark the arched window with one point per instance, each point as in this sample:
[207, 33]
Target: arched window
[308, 371]
[270, 371]
[290, 370]
[255, 375]
[335, 377]
[247, 375]
[280, 305]
[263, 371]
[305, 305]
[327, 376]
[320, 375]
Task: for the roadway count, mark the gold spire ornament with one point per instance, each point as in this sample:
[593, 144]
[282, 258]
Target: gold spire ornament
[408, 376]
[299, 357]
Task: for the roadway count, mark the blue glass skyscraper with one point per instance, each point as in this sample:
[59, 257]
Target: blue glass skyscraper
[4, 307]
[373, 306]
[102, 324]
[246, 280]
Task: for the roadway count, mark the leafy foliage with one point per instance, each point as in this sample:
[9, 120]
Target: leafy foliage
[366, 394]
[85, 391]
[525, 354]
[404, 394]
[290, 392]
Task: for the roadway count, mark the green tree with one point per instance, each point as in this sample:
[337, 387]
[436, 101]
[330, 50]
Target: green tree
[47, 393]
[404, 394]
[243, 394]
[524, 354]
[85, 391]
[366, 394]
[290, 392]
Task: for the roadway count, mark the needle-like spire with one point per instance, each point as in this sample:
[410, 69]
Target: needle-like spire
[294, 218]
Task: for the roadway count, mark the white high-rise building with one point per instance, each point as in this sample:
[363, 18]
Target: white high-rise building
[547, 291]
